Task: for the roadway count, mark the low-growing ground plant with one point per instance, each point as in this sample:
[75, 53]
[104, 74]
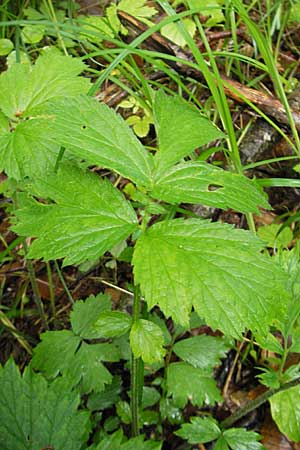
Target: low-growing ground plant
[192, 270]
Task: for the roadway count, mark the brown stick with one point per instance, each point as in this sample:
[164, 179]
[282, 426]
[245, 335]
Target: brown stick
[233, 89]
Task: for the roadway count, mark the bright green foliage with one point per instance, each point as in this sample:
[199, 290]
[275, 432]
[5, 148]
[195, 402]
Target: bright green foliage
[174, 34]
[32, 34]
[200, 430]
[269, 234]
[146, 341]
[112, 324]
[29, 150]
[240, 439]
[198, 182]
[217, 269]
[116, 441]
[64, 352]
[94, 132]
[137, 8]
[6, 46]
[86, 313]
[212, 8]
[202, 351]
[180, 129]
[23, 87]
[35, 415]
[185, 382]
[29, 146]
[88, 218]
[285, 408]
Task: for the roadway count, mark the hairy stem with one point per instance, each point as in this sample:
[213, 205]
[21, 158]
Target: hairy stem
[253, 404]
[136, 366]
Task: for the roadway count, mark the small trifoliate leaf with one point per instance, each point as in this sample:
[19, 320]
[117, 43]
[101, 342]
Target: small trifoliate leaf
[285, 409]
[217, 269]
[85, 313]
[198, 182]
[111, 324]
[36, 415]
[200, 430]
[55, 352]
[146, 341]
[89, 217]
[202, 351]
[23, 87]
[6, 46]
[187, 383]
[174, 34]
[180, 128]
[241, 439]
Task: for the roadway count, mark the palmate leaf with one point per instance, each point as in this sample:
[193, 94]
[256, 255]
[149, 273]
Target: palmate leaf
[214, 267]
[89, 217]
[86, 313]
[29, 146]
[285, 409]
[180, 129]
[36, 415]
[23, 87]
[198, 182]
[187, 383]
[206, 429]
[60, 352]
[95, 133]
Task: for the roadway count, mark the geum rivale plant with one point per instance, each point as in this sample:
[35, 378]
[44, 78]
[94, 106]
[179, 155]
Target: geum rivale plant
[51, 130]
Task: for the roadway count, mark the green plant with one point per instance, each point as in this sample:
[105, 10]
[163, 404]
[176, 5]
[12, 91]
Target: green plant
[179, 264]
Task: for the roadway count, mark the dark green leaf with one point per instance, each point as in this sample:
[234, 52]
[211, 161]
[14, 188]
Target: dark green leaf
[111, 324]
[200, 430]
[186, 383]
[85, 313]
[36, 415]
[202, 351]
[240, 439]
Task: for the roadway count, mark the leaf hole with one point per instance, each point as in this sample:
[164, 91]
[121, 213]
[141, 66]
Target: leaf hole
[214, 187]
[83, 127]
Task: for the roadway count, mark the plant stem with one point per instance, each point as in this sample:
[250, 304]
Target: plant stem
[135, 371]
[35, 290]
[253, 404]
[62, 280]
